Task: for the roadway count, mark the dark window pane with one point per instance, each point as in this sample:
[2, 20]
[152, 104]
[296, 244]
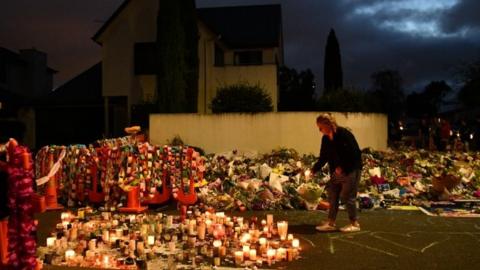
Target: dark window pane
[248, 58]
[219, 56]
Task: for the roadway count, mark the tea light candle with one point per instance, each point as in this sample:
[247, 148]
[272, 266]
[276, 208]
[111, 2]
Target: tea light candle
[106, 261]
[106, 236]
[92, 244]
[201, 231]
[262, 241]
[216, 247]
[281, 252]
[253, 254]
[238, 257]
[246, 251]
[295, 243]
[222, 250]
[290, 237]
[216, 261]
[151, 240]
[269, 220]
[69, 254]
[50, 241]
[64, 216]
[270, 256]
[169, 221]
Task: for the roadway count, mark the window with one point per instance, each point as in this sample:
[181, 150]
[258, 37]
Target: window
[248, 58]
[145, 58]
[219, 56]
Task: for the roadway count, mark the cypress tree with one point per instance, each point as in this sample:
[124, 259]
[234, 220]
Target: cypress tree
[171, 60]
[189, 17]
[332, 72]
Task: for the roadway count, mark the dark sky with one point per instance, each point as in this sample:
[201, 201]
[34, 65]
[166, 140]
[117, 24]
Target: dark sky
[423, 39]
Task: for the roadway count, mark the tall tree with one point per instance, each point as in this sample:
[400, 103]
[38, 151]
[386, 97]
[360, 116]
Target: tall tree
[469, 75]
[191, 43]
[387, 87]
[176, 49]
[296, 90]
[332, 72]
[429, 101]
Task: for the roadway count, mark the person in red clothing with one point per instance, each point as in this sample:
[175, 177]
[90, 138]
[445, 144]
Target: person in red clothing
[445, 133]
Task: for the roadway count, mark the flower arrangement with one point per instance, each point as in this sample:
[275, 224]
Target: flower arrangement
[311, 193]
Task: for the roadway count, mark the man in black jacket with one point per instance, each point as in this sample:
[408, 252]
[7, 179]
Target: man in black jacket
[340, 150]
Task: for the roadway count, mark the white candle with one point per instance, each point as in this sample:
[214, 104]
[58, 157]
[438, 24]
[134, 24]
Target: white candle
[106, 261]
[269, 220]
[50, 241]
[262, 241]
[270, 256]
[295, 243]
[253, 254]
[238, 257]
[282, 229]
[64, 216]
[69, 254]
[151, 240]
[201, 231]
[246, 251]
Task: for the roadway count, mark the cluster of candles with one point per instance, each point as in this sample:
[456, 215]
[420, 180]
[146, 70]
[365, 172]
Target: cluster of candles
[122, 241]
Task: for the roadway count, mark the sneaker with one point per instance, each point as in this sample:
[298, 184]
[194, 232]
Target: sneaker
[350, 228]
[325, 227]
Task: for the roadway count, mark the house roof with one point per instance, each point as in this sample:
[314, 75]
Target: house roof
[16, 57]
[237, 26]
[245, 26]
[86, 88]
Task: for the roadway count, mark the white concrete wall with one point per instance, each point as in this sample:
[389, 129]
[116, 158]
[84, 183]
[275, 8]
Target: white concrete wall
[263, 132]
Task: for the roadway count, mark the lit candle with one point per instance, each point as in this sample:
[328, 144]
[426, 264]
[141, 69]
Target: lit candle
[238, 257]
[270, 256]
[106, 236]
[295, 243]
[69, 254]
[269, 220]
[64, 216]
[106, 261]
[307, 174]
[201, 231]
[262, 241]
[281, 252]
[290, 237]
[169, 222]
[151, 240]
[240, 221]
[216, 261]
[92, 244]
[216, 247]
[253, 254]
[246, 251]
[50, 241]
[282, 229]
[191, 226]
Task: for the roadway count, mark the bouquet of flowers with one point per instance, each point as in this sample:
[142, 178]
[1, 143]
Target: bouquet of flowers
[310, 193]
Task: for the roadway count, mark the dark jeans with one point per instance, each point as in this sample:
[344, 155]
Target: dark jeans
[343, 188]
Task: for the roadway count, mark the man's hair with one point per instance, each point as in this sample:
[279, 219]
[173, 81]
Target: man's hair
[328, 120]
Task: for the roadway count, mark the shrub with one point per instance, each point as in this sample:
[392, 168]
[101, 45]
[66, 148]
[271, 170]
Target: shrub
[241, 97]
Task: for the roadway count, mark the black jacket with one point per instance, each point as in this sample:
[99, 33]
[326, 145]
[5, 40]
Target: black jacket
[342, 151]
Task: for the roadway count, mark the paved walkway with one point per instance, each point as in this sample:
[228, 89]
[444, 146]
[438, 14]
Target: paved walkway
[389, 239]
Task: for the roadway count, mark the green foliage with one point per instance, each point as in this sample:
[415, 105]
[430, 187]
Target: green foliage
[241, 97]
[428, 102]
[387, 87]
[177, 73]
[296, 90]
[469, 94]
[345, 100]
